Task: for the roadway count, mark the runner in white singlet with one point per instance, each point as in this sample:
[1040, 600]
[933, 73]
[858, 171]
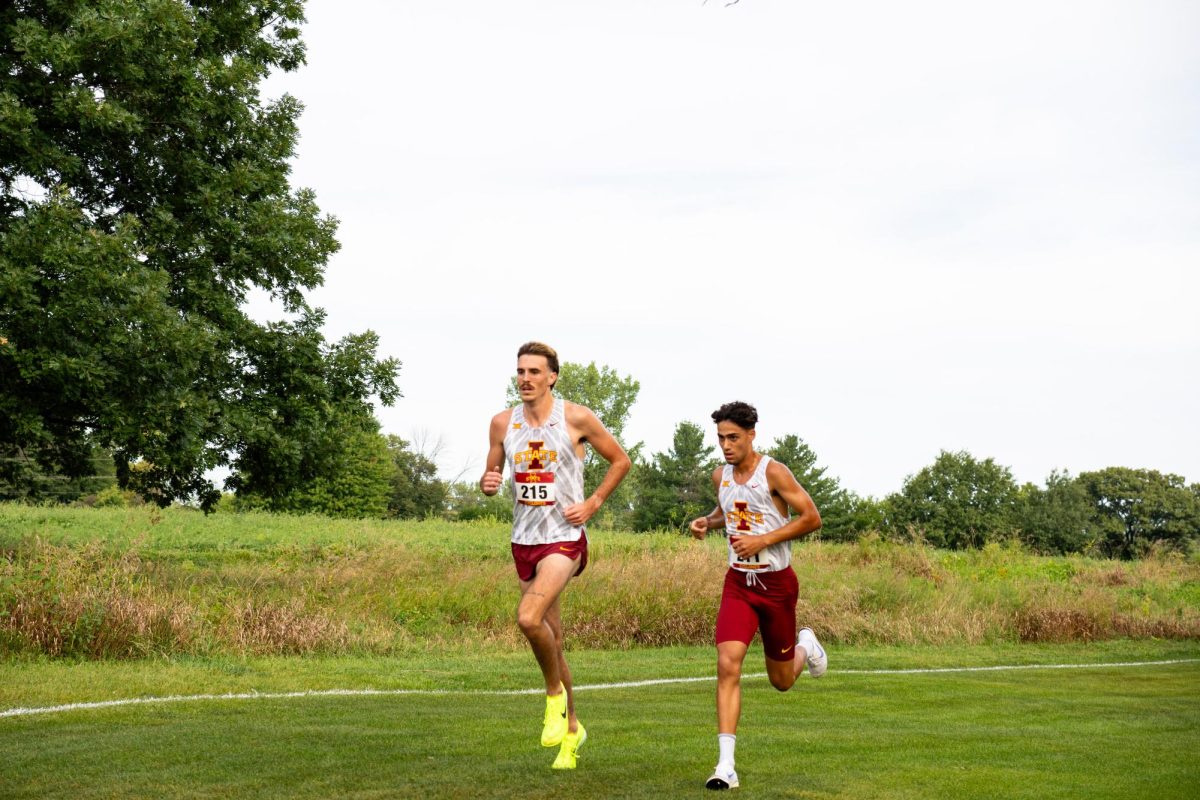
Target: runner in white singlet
[542, 441]
[754, 496]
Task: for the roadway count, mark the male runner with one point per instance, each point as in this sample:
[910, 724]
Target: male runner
[754, 493]
[542, 440]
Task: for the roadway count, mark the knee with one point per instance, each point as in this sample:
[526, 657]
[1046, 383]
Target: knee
[783, 682]
[529, 623]
[729, 668]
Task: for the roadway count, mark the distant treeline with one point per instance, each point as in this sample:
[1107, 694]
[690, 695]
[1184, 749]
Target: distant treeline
[957, 502]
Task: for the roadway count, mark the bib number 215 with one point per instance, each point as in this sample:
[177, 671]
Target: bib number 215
[535, 489]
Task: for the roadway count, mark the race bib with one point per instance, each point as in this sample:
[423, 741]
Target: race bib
[750, 564]
[535, 488]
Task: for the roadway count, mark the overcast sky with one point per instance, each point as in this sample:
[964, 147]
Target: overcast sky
[896, 228]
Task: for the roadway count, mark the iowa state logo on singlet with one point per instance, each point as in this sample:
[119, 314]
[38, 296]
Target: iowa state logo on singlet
[535, 456]
[535, 487]
[741, 516]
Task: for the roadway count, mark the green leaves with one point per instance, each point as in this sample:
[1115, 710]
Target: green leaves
[143, 193]
[833, 502]
[1132, 508]
[676, 486]
[416, 491]
[957, 502]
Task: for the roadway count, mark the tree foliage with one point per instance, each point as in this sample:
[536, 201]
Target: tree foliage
[356, 480]
[832, 501]
[22, 478]
[1133, 508]
[1058, 518]
[956, 502]
[143, 194]
[416, 491]
[464, 502]
[676, 486]
[867, 514]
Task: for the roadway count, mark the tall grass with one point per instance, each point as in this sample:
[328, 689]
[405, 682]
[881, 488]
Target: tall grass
[130, 583]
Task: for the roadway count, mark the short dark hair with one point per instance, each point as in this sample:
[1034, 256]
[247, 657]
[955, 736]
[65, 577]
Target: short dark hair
[741, 414]
[540, 349]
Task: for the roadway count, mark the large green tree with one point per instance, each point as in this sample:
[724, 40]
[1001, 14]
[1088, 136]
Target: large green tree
[143, 195]
[676, 486]
[1133, 508]
[354, 479]
[956, 502]
[1058, 518]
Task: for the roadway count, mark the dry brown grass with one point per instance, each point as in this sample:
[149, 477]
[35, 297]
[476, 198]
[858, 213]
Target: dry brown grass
[88, 601]
[647, 599]
[254, 626]
[84, 602]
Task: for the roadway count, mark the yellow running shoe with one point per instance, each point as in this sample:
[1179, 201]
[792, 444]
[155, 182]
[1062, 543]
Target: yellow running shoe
[554, 724]
[570, 749]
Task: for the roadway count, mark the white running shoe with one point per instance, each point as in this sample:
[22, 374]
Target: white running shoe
[817, 661]
[723, 777]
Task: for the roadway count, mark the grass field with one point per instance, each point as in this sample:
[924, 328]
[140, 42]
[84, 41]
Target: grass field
[113, 605]
[1025, 733]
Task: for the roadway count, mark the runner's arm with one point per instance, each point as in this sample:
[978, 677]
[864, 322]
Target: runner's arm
[716, 518]
[591, 430]
[493, 472]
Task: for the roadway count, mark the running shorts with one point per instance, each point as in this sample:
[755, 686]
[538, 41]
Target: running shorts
[527, 556]
[763, 601]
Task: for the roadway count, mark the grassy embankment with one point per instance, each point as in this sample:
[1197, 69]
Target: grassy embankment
[129, 583]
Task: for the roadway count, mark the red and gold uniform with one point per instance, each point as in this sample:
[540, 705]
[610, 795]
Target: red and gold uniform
[547, 476]
[760, 592]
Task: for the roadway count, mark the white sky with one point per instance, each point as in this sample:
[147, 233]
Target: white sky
[894, 227]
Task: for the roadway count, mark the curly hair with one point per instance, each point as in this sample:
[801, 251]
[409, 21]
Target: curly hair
[741, 414]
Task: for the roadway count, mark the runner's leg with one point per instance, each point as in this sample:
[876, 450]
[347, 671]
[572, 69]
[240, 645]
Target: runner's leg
[538, 597]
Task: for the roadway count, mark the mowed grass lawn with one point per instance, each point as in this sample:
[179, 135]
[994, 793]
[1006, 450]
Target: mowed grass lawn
[1094, 732]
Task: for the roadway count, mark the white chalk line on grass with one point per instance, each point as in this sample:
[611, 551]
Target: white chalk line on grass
[187, 698]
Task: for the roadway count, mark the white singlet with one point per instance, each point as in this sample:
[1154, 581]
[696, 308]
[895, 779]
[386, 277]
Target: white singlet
[547, 477]
[750, 511]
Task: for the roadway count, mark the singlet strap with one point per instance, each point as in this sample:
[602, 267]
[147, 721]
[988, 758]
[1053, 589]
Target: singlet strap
[761, 471]
[557, 414]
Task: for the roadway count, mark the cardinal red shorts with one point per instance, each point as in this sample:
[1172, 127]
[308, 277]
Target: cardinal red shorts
[768, 604]
[527, 556]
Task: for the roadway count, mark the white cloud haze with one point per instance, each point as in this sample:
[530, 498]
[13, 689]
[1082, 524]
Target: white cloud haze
[895, 228]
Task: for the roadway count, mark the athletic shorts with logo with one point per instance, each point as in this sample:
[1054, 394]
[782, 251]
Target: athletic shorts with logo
[768, 605]
[527, 556]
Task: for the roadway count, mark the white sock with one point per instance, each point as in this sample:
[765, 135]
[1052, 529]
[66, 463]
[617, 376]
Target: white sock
[726, 742]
